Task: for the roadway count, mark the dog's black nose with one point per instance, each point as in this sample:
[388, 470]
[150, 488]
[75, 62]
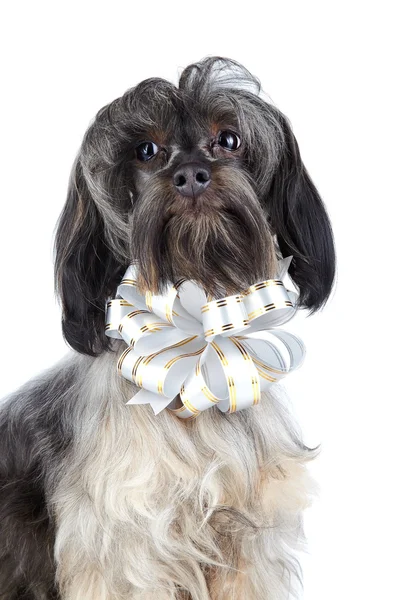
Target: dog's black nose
[191, 179]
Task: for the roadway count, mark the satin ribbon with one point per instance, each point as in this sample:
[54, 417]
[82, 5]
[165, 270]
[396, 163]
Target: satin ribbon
[190, 354]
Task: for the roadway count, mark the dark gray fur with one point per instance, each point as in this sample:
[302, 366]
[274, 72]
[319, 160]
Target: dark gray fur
[34, 437]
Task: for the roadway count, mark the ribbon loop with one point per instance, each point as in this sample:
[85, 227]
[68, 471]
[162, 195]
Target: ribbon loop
[188, 354]
[116, 310]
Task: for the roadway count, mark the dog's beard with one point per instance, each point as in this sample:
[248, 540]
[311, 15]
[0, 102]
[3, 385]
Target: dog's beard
[221, 239]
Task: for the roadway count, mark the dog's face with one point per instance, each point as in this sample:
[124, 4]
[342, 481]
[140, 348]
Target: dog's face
[196, 204]
[203, 181]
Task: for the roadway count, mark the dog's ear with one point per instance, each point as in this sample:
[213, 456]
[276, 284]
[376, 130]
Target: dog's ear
[86, 272]
[300, 221]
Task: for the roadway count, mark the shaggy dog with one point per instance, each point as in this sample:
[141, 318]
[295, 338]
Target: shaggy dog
[103, 501]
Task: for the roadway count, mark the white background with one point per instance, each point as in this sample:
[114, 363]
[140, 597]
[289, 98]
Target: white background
[332, 68]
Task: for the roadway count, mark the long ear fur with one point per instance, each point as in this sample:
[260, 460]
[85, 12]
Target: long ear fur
[86, 271]
[300, 221]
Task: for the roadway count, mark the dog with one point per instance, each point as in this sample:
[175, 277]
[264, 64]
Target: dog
[104, 501]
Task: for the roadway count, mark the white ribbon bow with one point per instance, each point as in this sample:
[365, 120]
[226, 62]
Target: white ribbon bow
[222, 352]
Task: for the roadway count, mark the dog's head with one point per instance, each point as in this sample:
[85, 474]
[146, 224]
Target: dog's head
[203, 181]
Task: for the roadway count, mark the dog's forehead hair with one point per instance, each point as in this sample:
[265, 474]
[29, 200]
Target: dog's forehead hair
[169, 116]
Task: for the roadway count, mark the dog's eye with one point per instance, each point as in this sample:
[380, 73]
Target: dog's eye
[229, 140]
[146, 150]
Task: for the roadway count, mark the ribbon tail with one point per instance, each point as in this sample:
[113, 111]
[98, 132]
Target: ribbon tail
[157, 402]
[283, 267]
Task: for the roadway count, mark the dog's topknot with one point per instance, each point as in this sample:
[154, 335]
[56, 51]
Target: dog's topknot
[216, 72]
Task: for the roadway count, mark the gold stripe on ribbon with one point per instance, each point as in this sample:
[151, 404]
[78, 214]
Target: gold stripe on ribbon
[247, 358]
[268, 307]
[179, 283]
[178, 410]
[135, 368]
[231, 382]
[129, 282]
[153, 327]
[182, 343]
[209, 395]
[168, 306]
[136, 312]
[176, 358]
[149, 300]
[221, 303]
[222, 329]
[205, 389]
[262, 285]
[150, 327]
[186, 402]
[258, 362]
[121, 358]
[265, 376]
[120, 302]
